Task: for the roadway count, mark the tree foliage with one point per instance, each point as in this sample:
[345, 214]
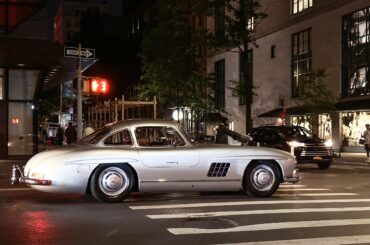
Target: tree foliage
[171, 63]
[241, 19]
[316, 97]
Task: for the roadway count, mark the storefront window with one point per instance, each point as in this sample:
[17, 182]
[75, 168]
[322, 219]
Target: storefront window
[353, 125]
[303, 121]
[356, 53]
[22, 84]
[21, 140]
[325, 128]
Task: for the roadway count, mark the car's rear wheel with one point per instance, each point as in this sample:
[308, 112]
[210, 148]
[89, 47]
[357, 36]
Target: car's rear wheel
[261, 179]
[112, 183]
[324, 165]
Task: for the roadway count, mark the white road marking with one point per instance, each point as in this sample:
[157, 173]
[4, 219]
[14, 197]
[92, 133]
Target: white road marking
[303, 189]
[314, 194]
[350, 167]
[16, 189]
[288, 185]
[242, 203]
[339, 240]
[257, 212]
[272, 226]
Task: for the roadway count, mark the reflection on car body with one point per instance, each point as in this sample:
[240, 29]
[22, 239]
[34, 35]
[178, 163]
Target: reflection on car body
[157, 156]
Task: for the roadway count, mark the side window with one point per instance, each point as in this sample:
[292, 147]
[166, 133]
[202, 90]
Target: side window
[158, 136]
[120, 138]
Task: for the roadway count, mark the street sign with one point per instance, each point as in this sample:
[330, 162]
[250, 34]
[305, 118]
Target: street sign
[72, 52]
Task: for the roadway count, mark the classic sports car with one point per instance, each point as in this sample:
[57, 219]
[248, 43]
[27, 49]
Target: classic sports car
[154, 155]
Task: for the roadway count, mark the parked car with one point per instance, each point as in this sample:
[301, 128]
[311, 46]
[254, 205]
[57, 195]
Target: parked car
[154, 155]
[306, 147]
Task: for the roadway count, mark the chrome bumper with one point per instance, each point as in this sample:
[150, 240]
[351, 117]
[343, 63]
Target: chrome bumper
[30, 181]
[18, 178]
[294, 178]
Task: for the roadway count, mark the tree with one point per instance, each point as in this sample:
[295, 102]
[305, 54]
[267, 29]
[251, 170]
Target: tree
[316, 97]
[171, 63]
[240, 19]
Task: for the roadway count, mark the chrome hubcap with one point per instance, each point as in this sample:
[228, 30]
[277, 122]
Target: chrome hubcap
[113, 181]
[263, 178]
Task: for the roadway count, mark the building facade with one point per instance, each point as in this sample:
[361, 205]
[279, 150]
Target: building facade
[296, 37]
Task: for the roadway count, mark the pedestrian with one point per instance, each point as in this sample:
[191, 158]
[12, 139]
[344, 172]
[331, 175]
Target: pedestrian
[221, 136]
[71, 134]
[59, 136]
[88, 130]
[366, 136]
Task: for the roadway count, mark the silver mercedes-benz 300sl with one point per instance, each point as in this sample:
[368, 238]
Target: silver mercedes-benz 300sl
[154, 155]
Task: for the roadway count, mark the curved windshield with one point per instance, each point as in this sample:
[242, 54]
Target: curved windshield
[187, 136]
[297, 132]
[96, 136]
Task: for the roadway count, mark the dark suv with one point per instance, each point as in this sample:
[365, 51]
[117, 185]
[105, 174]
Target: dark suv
[306, 147]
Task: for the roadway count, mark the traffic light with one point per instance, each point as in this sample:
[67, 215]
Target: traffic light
[99, 85]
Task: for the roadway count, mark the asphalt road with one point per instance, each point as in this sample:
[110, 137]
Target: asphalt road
[325, 207]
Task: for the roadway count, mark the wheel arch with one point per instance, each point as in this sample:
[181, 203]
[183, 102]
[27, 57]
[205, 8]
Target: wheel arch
[136, 184]
[265, 160]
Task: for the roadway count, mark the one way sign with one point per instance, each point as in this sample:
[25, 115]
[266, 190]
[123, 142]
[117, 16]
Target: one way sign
[72, 52]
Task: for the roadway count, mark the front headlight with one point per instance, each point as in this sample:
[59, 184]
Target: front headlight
[295, 143]
[329, 143]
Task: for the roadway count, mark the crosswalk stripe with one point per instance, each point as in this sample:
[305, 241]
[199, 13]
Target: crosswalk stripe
[15, 189]
[257, 212]
[314, 194]
[340, 240]
[242, 203]
[272, 226]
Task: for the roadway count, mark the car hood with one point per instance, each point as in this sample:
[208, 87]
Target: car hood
[307, 140]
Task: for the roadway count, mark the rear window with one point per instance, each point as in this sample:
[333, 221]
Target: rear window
[96, 136]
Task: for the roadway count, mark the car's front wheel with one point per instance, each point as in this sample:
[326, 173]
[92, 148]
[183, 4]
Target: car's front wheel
[261, 179]
[112, 183]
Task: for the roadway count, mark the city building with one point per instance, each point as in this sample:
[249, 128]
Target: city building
[296, 37]
[30, 62]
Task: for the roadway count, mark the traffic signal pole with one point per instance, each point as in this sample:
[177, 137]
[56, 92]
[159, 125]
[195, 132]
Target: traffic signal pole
[79, 95]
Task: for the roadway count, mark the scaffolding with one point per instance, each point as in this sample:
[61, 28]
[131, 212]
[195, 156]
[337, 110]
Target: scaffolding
[113, 110]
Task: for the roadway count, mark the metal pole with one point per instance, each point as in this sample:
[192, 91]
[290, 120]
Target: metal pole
[79, 95]
[123, 108]
[116, 110]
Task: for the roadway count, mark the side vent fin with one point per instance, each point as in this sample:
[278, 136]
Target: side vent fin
[218, 169]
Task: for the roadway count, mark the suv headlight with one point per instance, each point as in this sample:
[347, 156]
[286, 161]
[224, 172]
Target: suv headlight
[295, 143]
[329, 143]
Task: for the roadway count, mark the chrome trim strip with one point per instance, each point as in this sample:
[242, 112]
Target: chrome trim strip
[189, 181]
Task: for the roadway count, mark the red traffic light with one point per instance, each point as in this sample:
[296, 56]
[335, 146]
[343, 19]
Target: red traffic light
[99, 85]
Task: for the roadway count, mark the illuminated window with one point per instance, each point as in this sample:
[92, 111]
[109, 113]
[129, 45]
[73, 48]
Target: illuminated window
[356, 53]
[300, 5]
[22, 84]
[301, 60]
[13, 13]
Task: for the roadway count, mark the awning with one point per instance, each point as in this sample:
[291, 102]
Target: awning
[43, 55]
[214, 117]
[354, 104]
[295, 110]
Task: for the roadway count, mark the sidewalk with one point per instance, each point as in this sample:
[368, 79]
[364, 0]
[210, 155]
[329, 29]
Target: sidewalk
[349, 157]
